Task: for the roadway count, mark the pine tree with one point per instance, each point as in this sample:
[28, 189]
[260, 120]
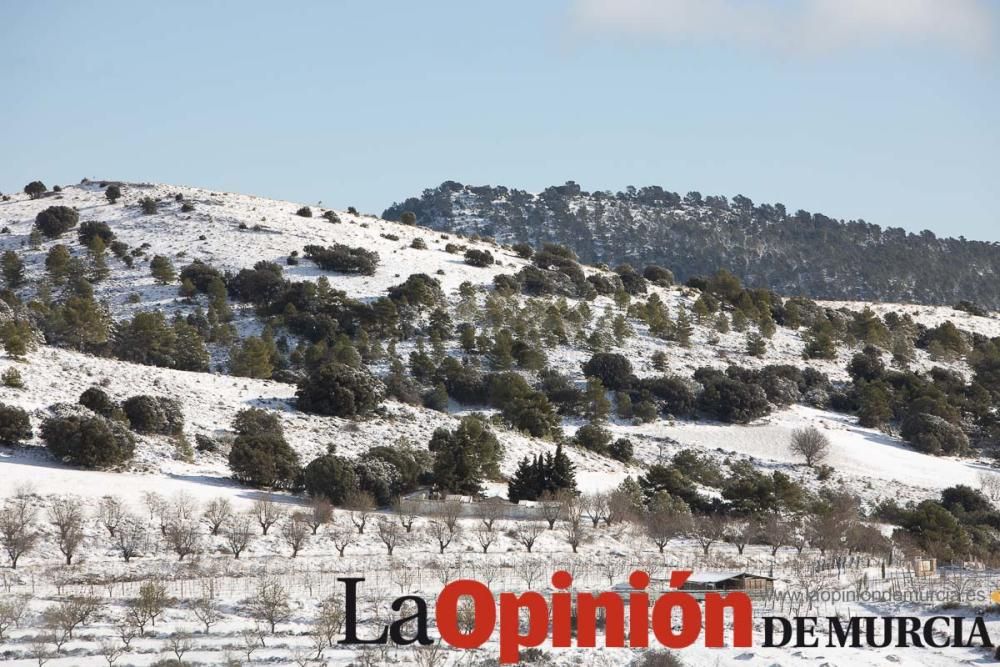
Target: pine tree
[190, 354]
[740, 321]
[187, 289]
[98, 260]
[162, 269]
[524, 482]
[683, 328]
[17, 338]
[501, 355]
[766, 325]
[756, 345]
[598, 405]
[57, 262]
[875, 409]
[13, 269]
[252, 358]
[217, 299]
[563, 473]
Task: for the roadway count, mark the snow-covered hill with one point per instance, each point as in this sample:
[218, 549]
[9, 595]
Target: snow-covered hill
[233, 231]
[764, 244]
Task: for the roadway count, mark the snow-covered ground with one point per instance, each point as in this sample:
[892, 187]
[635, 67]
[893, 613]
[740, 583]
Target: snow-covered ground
[873, 464]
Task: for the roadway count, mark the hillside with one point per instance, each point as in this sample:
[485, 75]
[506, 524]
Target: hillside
[174, 350]
[798, 253]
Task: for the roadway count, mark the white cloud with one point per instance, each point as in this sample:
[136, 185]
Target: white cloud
[798, 25]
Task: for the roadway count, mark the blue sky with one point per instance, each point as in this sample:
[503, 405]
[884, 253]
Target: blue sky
[886, 111]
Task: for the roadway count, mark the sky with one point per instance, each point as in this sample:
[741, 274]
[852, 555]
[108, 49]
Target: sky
[885, 110]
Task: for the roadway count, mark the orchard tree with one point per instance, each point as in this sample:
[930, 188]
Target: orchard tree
[810, 444]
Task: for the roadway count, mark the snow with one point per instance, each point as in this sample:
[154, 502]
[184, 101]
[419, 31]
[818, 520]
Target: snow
[873, 464]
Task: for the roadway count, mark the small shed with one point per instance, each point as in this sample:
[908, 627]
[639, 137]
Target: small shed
[729, 581]
[700, 583]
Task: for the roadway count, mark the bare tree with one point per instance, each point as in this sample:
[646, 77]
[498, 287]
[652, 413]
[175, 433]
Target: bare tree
[65, 616]
[707, 529]
[207, 610]
[389, 532]
[342, 536]
[320, 513]
[111, 650]
[238, 532]
[620, 507]
[329, 622]
[18, 533]
[492, 510]
[125, 630]
[402, 575]
[40, 651]
[668, 517]
[552, 507]
[154, 502]
[612, 568]
[360, 505]
[270, 603]
[251, 639]
[110, 512]
[486, 535]
[740, 533]
[183, 538]
[430, 656]
[11, 612]
[406, 513]
[989, 484]
[530, 570]
[826, 531]
[66, 515]
[573, 520]
[130, 536]
[267, 512]
[179, 644]
[440, 531]
[217, 512]
[775, 532]
[295, 533]
[810, 444]
[528, 532]
[595, 507]
[183, 506]
[150, 605]
[445, 570]
[448, 514]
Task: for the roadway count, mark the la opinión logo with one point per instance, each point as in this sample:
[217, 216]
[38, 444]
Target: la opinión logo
[556, 613]
[552, 619]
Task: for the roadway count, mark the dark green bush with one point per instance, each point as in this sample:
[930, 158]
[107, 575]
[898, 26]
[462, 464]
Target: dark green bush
[15, 425]
[331, 477]
[476, 257]
[264, 459]
[339, 390]
[88, 441]
[154, 414]
[91, 229]
[56, 221]
[97, 400]
[343, 258]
